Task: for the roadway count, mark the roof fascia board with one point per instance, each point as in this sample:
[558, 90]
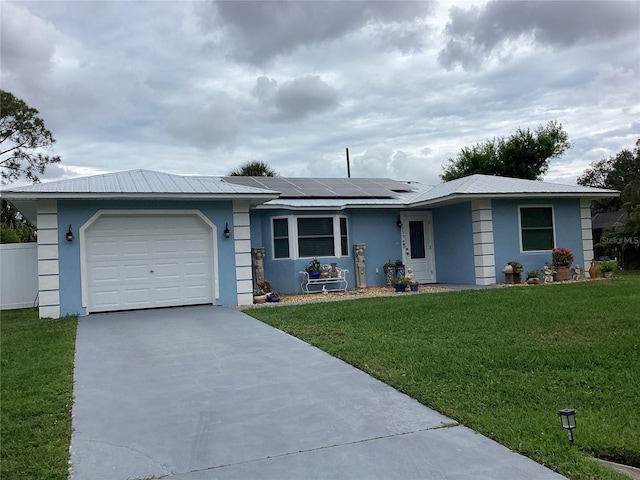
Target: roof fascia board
[461, 197]
[138, 196]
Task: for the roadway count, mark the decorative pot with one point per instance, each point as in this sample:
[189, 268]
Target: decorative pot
[562, 274]
[400, 287]
[414, 288]
[273, 299]
[389, 273]
[607, 274]
[512, 278]
[314, 275]
[259, 298]
[400, 271]
[593, 271]
[533, 281]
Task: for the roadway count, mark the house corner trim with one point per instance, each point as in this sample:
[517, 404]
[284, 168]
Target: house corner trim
[483, 247]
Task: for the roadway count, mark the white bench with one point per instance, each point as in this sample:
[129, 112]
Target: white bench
[329, 284]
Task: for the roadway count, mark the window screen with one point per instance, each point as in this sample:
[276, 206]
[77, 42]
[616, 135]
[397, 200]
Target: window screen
[315, 237]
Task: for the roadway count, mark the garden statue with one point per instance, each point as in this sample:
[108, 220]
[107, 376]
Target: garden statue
[257, 255]
[577, 273]
[361, 276]
[548, 274]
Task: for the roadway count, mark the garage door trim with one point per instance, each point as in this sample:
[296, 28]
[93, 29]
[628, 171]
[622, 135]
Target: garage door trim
[156, 212]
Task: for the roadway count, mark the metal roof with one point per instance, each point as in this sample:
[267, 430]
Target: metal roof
[140, 182]
[490, 185]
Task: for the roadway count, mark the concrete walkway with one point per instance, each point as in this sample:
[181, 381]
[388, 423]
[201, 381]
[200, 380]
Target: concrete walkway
[207, 392]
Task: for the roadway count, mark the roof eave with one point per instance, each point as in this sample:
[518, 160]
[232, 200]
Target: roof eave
[461, 197]
[262, 197]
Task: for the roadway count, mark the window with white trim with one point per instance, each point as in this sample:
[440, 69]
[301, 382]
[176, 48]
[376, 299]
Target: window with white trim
[310, 236]
[536, 228]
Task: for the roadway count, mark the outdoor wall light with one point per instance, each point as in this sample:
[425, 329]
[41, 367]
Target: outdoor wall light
[568, 420]
[69, 235]
[227, 232]
[399, 222]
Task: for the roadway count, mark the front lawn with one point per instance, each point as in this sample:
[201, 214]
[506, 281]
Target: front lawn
[503, 361]
[36, 374]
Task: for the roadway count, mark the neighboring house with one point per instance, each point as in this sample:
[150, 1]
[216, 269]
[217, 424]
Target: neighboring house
[144, 239]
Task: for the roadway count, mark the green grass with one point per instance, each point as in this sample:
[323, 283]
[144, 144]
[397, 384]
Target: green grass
[36, 371]
[503, 361]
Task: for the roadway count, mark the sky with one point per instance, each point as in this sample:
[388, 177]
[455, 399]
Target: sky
[202, 87]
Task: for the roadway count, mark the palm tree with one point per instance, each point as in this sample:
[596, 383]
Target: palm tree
[254, 168]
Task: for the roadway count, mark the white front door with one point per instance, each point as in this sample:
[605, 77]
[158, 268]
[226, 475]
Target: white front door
[417, 246]
[146, 261]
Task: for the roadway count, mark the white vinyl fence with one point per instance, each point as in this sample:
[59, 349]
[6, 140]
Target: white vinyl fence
[18, 275]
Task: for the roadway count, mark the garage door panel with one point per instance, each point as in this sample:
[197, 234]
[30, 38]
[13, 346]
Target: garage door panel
[145, 261]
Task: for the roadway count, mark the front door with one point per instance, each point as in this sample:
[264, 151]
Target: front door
[417, 246]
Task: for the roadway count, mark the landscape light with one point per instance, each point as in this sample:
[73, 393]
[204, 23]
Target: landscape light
[568, 420]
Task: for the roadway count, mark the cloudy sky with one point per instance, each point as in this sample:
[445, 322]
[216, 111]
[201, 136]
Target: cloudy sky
[201, 87]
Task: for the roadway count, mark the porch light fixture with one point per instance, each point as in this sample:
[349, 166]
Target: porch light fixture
[227, 232]
[568, 420]
[69, 234]
[399, 222]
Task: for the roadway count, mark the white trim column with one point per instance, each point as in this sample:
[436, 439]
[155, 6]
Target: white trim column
[242, 247]
[587, 233]
[48, 260]
[483, 248]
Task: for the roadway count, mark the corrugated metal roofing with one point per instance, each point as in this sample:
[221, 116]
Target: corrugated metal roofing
[486, 185]
[141, 182]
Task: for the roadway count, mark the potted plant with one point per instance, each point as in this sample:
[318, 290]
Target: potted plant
[400, 283]
[561, 259]
[532, 277]
[313, 269]
[512, 271]
[389, 269]
[414, 286]
[607, 268]
[259, 295]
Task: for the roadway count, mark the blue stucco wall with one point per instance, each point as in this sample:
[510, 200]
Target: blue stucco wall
[453, 239]
[77, 213]
[375, 228]
[568, 233]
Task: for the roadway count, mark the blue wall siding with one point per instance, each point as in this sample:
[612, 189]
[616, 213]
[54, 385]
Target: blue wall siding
[376, 228]
[77, 213]
[453, 238]
[568, 233]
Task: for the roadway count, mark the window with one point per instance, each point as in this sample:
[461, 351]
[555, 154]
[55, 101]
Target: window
[536, 228]
[280, 238]
[306, 237]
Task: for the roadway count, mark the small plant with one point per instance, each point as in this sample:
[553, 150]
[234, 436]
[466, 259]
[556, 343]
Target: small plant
[398, 263]
[388, 265]
[400, 280]
[561, 257]
[516, 266]
[607, 266]
[532, 274]
[314, 266]
[265, 286]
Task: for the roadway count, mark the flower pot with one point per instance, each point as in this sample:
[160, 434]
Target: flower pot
[414, 288]
[273, 299]
[389, 273]
[562, 274]
[314, 275]
[593, 271]
[400, 287]
[512, 278]
[607, 274]
[259, 298]
[400, 271]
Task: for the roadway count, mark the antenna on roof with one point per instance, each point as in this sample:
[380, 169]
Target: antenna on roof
[348, 165]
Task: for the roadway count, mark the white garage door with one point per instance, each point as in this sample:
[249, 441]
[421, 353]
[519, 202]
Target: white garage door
[147, 261]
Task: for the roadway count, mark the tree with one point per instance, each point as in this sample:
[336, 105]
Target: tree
[14, 227]
[615, 173]
[22, 135]
[254, 168]
[525, 154]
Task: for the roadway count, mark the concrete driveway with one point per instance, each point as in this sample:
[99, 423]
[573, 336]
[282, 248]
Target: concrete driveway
[209, 393]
